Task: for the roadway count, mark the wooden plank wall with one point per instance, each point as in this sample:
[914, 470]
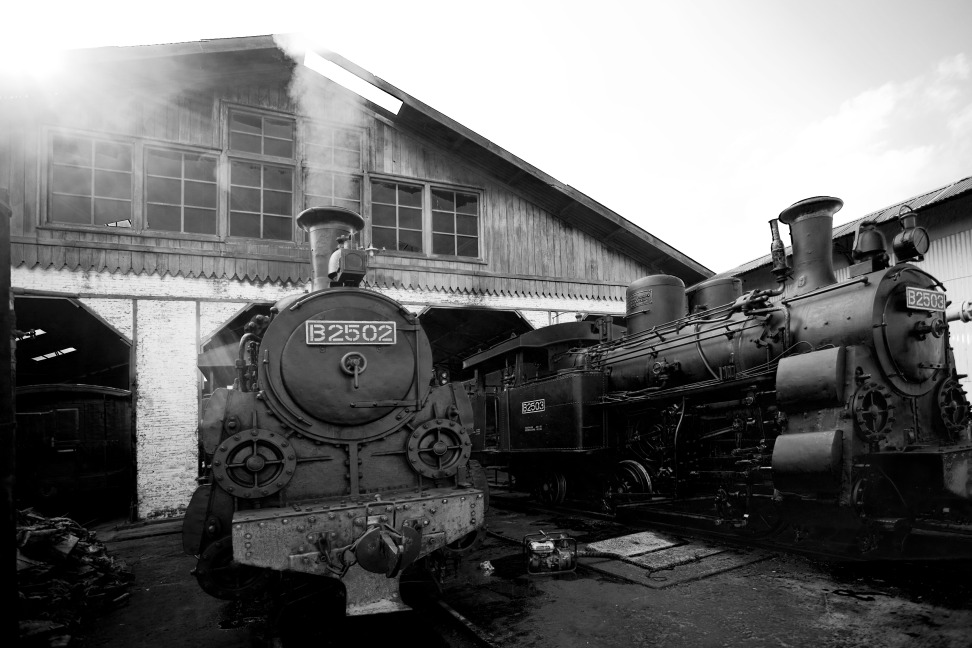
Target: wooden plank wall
[527, 250]
[537, 252]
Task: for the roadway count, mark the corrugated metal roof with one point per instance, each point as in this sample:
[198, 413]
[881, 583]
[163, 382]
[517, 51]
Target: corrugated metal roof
[880, 216]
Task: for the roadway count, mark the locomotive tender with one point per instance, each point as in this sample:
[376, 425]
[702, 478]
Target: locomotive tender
[335, 454]
[822, 411]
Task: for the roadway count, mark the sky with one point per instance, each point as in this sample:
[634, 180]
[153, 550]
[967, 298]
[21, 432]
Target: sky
[698, 120]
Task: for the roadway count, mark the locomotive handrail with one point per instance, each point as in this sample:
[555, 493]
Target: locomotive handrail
[641, 349]
[826, 289]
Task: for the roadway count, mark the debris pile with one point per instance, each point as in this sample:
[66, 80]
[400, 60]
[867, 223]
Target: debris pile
[64, 577]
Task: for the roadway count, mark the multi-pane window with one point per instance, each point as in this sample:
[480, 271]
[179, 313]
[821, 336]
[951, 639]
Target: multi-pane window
[425, 218]
[330, 146]
[396, 215]
[91, 181]
[261, 200]
[261, 134]
[323, 188]
[455, 223]
[180, 191]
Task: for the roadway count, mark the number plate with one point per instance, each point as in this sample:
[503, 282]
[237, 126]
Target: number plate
[331, 332]
[927, 300]
[534, 406]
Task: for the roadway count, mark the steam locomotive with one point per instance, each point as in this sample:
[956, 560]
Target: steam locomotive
[821, 411]
[336, 454]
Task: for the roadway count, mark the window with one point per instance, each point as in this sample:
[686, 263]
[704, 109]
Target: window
[261, 189]
[419, 218]
[396, 213]
[180, 191]
[91, 181]
[455, 223]
[326, 188]
[261, 134]
[261, 201]
[329, 146]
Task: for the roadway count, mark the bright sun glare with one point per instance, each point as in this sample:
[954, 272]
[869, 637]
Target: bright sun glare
[25, 59]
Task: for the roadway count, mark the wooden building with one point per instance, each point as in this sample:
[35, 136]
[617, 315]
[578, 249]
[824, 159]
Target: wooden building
[153, 193]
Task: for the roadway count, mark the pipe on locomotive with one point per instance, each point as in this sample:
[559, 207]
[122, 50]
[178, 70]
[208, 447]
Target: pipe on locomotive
[324, 226]
[811, 234]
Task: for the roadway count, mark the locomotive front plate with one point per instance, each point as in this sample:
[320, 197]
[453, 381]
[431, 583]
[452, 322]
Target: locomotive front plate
[925, 300]
[324, 332]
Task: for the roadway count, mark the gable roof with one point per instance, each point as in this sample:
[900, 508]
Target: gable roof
[563, 201]
[883, 215]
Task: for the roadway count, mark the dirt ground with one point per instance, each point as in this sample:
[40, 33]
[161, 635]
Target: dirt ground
[729, 597]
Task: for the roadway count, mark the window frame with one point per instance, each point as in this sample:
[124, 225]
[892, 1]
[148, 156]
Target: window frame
[47, 194]
[148, 145]
[304, 186]
[228, 156]
[427, 187]
[305, 130]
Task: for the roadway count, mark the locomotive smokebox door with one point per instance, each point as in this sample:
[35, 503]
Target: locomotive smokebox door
[344, 364]
[347, 355]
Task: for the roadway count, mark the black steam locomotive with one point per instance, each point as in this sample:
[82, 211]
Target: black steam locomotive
[335, 454]
[822, 410]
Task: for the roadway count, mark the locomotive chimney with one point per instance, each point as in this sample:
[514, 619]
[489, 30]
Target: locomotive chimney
[323, 226]
[811, 233]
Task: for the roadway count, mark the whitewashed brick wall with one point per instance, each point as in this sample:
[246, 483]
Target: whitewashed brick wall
[213, 315]
[166, 406]
[117, 312]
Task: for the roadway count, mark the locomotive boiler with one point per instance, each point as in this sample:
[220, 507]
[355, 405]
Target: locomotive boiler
[335, 454]
[821, 411]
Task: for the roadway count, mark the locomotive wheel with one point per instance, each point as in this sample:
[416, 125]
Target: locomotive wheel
[631, 477]
[467, 543]
[224, 578]
[437, 449]
[953, 406]
[552, 487]
[873, 410]
[254, 463]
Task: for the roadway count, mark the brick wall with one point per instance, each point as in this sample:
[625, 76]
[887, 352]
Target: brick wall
[166, 405]
[117, 312]
[212, 316]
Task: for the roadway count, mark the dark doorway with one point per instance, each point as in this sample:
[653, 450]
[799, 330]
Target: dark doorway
[74, 411]
[457, 333]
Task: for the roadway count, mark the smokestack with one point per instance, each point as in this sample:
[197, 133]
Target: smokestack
[323, 226]
[811, 224]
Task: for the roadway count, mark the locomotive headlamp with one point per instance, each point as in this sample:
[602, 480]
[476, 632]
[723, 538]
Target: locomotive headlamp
[912, 242]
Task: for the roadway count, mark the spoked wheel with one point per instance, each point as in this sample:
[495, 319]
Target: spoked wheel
[631, 477]
[552, 487]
